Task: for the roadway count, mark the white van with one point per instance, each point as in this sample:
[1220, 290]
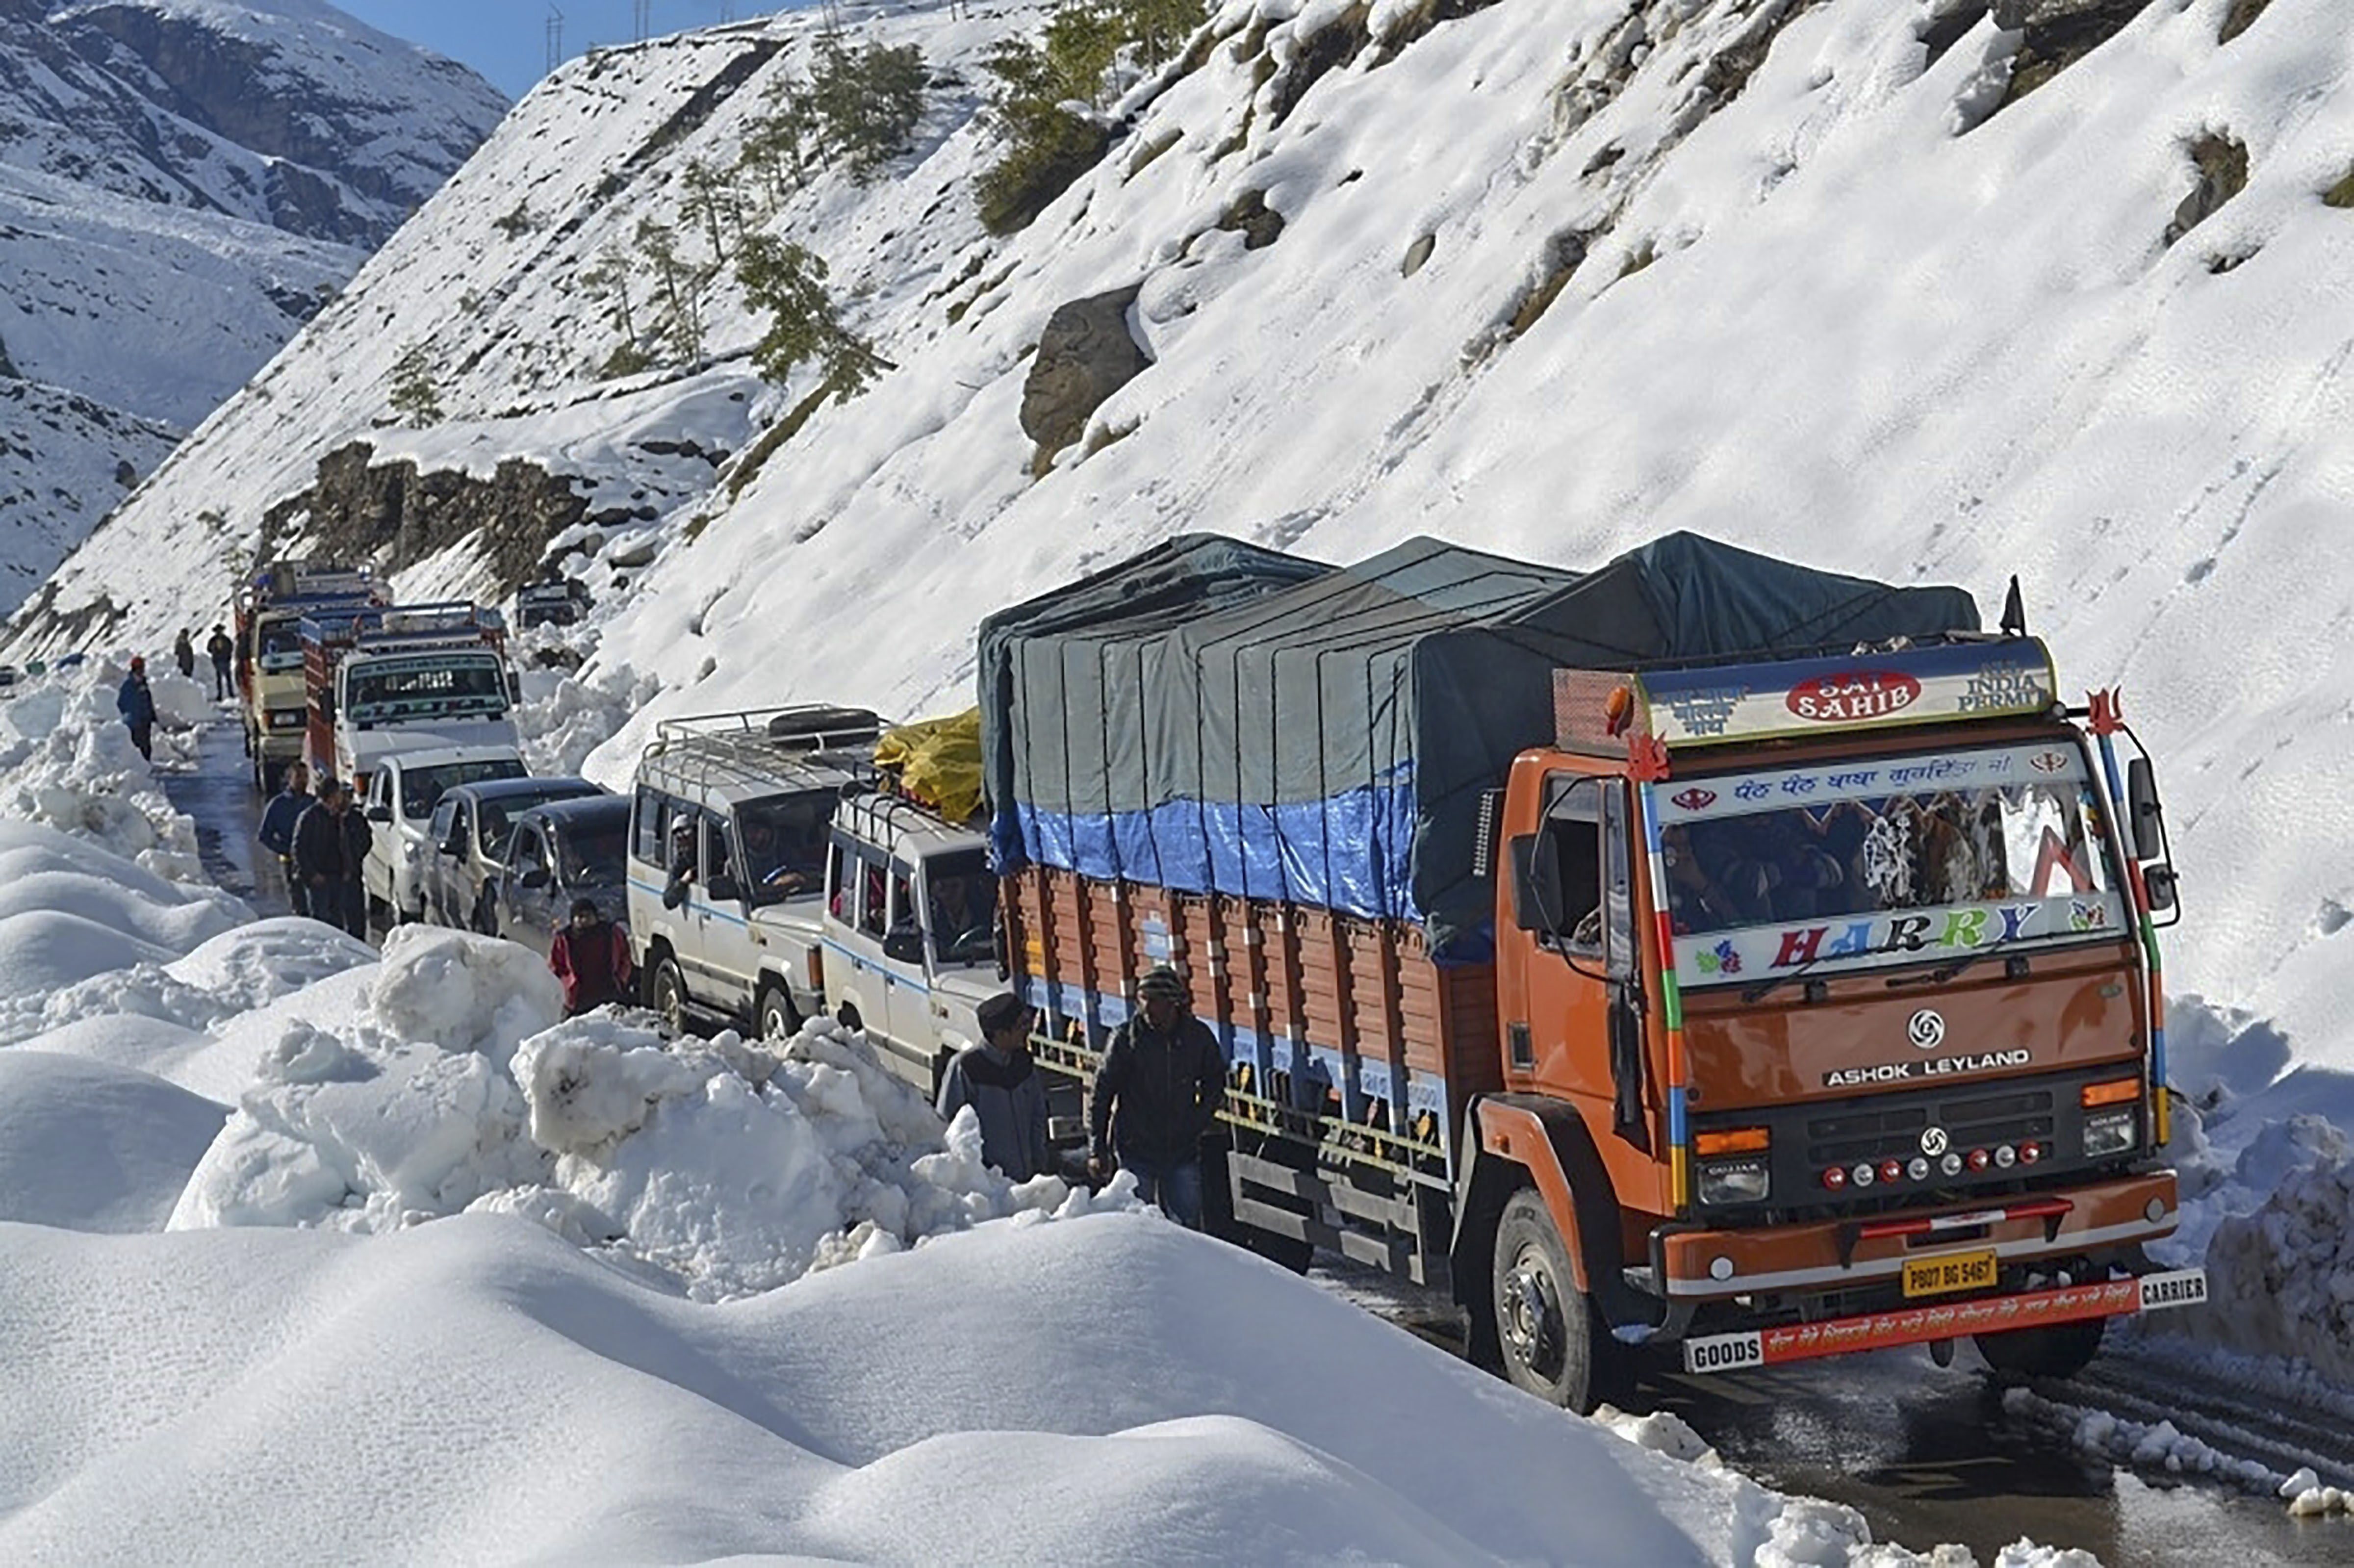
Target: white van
[402, 790]
[911, 932]
[726, 869]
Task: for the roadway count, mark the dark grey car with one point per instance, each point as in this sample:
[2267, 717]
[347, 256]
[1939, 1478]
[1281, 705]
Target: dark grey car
[466, 846]
[562, 852]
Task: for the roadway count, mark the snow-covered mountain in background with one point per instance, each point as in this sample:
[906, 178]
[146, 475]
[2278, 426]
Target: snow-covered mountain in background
[1941, 290]
[183, 183]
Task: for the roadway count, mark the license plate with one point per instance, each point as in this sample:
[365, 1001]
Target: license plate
[1949, 1271]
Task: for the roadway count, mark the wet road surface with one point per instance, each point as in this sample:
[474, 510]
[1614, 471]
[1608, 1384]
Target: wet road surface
[1929, 1455]
[219, 794]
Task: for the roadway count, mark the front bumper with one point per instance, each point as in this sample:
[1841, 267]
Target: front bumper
[1837, 1254]
[1945, 1320]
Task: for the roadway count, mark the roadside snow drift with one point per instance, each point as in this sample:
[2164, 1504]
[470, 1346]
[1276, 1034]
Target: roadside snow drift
[1113, 1390]
[93, 1148]
[450, 1085]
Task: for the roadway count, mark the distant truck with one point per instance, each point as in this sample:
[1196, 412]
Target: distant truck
[403, 677]
[729, 826]
[1702, 952]
[272, 699]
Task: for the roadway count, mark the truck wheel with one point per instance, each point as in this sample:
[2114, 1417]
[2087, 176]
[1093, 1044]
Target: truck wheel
[1555, 1343]
[778, 1017]
[2059, 1350]
[670, 996]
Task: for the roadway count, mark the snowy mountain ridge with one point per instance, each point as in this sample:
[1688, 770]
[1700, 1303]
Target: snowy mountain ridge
[183, 183]
[1945, 290]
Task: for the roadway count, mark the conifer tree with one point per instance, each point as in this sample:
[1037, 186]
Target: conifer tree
[416, 396]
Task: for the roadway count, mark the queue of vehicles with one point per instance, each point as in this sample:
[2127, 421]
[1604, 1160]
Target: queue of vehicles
[1701, 953]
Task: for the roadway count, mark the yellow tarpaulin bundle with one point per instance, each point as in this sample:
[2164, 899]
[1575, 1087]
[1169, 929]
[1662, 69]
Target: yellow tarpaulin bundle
[937, 762]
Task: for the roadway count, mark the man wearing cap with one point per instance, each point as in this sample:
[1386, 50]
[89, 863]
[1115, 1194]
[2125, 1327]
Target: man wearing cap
[1002, 1085]
[1156, 1097]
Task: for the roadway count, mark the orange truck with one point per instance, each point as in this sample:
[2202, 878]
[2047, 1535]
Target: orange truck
[1703, 956]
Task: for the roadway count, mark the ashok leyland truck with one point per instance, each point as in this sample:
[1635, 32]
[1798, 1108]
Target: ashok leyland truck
[1701, 956]
[272, 698]
[403, 678]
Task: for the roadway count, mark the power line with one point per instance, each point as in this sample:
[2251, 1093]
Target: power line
[642, 19]
[554, 39]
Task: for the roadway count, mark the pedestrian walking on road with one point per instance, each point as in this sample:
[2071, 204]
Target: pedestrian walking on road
[591, 956]
[1156, 1097]
[277, 830]
[136, 704]
[223, 650]
[322, 850]
[183, 652]
[1002, 1085]
[357, 837]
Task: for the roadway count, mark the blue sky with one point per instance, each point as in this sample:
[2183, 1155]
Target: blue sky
[506, 40]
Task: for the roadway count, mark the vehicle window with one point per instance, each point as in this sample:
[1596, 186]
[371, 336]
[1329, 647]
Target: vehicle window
[281, 647]
[444, 815]
[903, 898]
[389, 691]
[840, 894]
[461, 824]
[1872, 860]
[717, 857]
[872, 910]
[421, 788]
[526, 849]
[647, 811]
[592, 856]
[1572, 836]
[496, 818]
[784, 841]
[961, 908]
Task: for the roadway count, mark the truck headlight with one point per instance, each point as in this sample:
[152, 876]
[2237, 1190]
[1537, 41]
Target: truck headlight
[2112, 1133]
[288, 718]
[1734, 1181]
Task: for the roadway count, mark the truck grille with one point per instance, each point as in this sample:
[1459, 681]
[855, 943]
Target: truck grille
[2013, 1117]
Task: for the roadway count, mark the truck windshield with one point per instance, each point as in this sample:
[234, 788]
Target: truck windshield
[784, 844]
[960, 905]
[280, 648]
[1881, 860]
[444, 687]
[421, 788]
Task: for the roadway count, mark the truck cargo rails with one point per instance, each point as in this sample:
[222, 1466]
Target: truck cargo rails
[1703, 956]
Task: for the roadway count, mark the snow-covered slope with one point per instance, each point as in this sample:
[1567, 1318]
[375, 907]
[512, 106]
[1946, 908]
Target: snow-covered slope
[1549, 278]
[183, 183]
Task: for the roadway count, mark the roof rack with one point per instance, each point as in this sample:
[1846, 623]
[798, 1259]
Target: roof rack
[442, 624]
[879, 813]
[761, 745]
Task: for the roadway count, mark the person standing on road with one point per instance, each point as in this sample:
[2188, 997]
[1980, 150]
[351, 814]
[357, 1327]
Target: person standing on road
[357, 837]
[136, 703]
[1002, 1085]
[1156, 1097]
[320, 849]
[277, 830]
[591, 956]
[183, 653]
[223, 650]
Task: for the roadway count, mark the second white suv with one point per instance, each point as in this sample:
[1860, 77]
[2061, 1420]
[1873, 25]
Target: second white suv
[402, 791]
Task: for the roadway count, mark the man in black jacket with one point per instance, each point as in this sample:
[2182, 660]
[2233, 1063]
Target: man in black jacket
[323, 851]
[1156, 1097]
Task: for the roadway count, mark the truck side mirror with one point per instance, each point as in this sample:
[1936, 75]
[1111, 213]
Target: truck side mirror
[2158, 881]
[2145, 819]
[379, 813]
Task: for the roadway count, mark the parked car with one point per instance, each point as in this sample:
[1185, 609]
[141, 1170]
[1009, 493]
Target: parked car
[471, 831]
[401, 795]
[738, 804]
[562, 852]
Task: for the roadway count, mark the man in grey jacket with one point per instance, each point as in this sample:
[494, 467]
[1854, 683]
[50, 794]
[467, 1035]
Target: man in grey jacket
[1002, 1085]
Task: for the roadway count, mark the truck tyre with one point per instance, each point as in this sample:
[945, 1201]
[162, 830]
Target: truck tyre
[2059, 1350]
[778, 1017]
[670, 995]
[1554, 1340]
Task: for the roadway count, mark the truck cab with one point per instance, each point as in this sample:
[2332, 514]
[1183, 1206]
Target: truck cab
[728, 826]
[273, 694]
[911, 932]
[1829, 1000]
[412, 676]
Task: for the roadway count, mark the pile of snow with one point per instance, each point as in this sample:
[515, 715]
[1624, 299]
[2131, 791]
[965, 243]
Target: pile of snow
[565, 717]
[731, 1169]
[67, 761]
[1022, 1392]
[93, 1148]
[2281, 1280]
[2309, 1498]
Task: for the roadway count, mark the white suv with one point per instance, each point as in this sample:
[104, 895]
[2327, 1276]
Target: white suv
[402, 790]
[728, 840]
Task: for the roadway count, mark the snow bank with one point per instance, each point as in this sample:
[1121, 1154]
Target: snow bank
[67, 762]
[93, 1148]
[450, 1085]
[1113, 1390]
[2281, 1280]
[567, 716]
